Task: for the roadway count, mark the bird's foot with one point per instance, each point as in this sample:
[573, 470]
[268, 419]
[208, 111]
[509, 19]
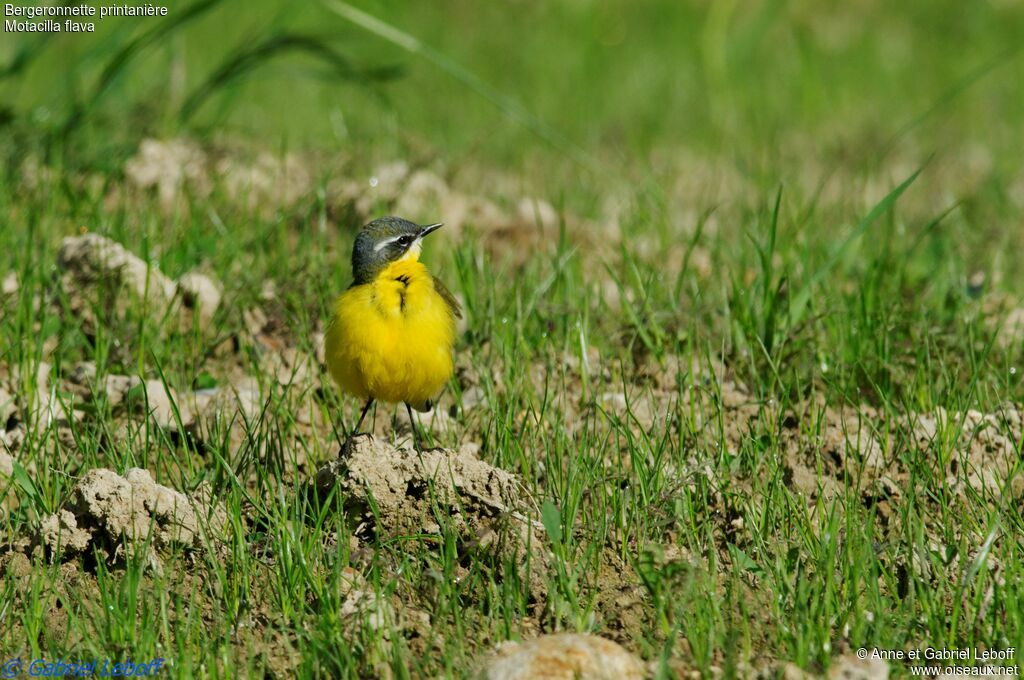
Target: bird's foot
[420, 446]
[350, 442]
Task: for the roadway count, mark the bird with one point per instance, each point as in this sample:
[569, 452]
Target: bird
[392, 332]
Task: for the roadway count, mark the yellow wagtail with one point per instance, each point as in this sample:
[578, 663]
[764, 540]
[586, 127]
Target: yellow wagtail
[392, 332]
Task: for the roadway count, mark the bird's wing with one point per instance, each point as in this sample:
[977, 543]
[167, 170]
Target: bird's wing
[443, 291]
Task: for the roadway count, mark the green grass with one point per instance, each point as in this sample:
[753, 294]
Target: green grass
[800, 194]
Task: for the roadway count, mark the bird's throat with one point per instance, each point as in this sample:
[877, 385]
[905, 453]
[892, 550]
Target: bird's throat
[413, 254]
[405, 271]
[399, 287]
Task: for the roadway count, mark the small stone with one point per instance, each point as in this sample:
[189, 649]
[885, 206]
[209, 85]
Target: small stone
[10, 284]
[849, 667]
[200, 292]
[793, 672]
[539, 212]
[422, 193]
[158, 402]
[976, 283]
[321, 348]
[7, 408]
[11, 440]
[473, 397]
[83, 373]
[567, 656]
[116, 387]
[365, 603]
[289, 366]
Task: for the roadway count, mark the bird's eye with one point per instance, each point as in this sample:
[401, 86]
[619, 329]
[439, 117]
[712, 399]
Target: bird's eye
[404, 240]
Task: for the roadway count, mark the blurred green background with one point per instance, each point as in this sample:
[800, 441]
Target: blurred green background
[622, 83]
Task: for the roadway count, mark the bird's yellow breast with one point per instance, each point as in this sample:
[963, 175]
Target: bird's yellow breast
[392, 339]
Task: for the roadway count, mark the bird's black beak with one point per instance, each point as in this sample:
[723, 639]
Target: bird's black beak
[429, 228]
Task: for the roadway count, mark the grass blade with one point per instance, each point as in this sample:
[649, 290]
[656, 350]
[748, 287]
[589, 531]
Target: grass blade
[803, 296]
[246, 60]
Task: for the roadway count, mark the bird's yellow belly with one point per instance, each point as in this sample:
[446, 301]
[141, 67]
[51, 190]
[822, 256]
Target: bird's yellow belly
[392, 340]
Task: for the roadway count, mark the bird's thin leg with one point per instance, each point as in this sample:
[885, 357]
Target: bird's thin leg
[412, 425]
[369, 403]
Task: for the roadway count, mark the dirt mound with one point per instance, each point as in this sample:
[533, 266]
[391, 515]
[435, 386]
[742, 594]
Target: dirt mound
[983, 446]
[174, 169]
[114, 513]
[565, 655]
[828, 448]
[402, 484]
[392, 491]
[88, 259]
[168, 166]
[93, 264]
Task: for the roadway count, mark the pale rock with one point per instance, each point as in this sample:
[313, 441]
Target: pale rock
[158, 402]
[377, 612]
[169, 166]
[10, 284]
[200, 292]
[422, 195]
[563, 656]
[116, 387]
[537, 212]
[7, 407]
[473, 397]
[849, 667]
[90, 258]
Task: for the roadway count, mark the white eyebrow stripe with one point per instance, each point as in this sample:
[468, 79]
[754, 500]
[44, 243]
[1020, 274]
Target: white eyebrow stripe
[385, 243]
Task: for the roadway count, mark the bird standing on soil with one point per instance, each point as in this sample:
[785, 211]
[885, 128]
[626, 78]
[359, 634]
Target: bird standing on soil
[392, 332]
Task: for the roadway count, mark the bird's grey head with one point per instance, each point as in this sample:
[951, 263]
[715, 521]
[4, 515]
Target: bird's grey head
[384, 241]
